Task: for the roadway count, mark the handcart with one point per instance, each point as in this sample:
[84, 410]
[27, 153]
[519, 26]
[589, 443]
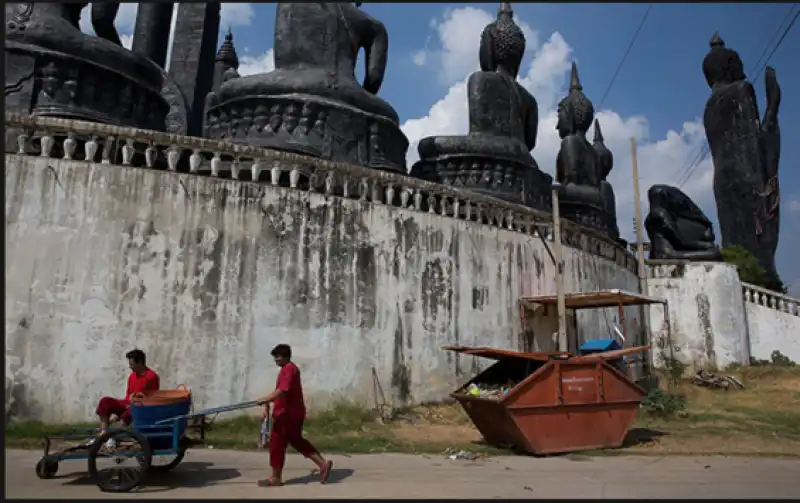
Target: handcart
[156, 431]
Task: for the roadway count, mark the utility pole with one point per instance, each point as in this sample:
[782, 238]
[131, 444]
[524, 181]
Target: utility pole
[638, 210]
[645, 312]
[559, 259]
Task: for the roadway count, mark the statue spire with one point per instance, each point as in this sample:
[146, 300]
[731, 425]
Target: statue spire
[716, 41]
[574, 81]
[227, 52]
[598, 134]
[505, 11]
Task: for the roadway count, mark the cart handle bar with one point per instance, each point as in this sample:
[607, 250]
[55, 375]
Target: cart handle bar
[215, 410]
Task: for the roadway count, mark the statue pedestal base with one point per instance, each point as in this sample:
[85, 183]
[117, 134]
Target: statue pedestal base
[492, 165]
[500, 178]
[584, 205]
[46, 82]
[310, 125]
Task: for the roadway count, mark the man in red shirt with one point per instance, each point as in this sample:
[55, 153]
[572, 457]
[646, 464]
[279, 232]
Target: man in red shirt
[141, 380]
[288, 415]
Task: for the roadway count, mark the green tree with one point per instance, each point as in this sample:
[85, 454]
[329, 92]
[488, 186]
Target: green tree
[749, 269]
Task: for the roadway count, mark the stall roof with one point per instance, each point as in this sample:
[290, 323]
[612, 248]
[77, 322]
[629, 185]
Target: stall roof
[498, 354]
[593, 300]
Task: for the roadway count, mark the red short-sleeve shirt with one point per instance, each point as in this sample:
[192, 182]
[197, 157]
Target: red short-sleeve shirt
[139, 383]
[291, 402]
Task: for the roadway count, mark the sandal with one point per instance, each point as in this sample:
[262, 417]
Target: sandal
[326, 472]
[269, 482]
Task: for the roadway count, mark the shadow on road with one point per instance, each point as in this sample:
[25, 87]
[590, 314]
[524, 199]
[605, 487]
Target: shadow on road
[337, 475]
[189, 474]
[640, 436]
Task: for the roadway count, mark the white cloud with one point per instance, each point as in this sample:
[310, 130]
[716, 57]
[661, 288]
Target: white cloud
[794, 205]
[459, 35]
[249, 65]
[127, 41]
[236, 14]
[545, 74]
[420, 57]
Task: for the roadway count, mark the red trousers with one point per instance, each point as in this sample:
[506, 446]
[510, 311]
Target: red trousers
[108, 406]
[287, 430]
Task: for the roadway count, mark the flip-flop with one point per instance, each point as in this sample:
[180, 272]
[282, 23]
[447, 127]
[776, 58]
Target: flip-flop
[326, 472]
[270, 482]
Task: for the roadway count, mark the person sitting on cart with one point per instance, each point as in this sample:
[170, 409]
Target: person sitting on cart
[141, 380]
[288, 415]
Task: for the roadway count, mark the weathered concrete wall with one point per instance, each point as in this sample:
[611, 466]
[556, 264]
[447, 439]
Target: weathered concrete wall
[207, 275]
[773, 322]
[706, 314]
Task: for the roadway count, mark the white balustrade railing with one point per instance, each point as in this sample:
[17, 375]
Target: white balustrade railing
[773, 300]
[49, 137]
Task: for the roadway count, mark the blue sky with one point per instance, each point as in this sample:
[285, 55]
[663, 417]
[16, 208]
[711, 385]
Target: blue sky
[658, 96]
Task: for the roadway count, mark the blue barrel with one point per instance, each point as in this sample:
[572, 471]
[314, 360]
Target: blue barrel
[145, 416]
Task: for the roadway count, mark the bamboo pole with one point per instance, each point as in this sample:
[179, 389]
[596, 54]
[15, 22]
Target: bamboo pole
[557, 252]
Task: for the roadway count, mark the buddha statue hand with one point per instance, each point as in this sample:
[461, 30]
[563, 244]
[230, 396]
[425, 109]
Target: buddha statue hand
[103, 16]
[374, 39]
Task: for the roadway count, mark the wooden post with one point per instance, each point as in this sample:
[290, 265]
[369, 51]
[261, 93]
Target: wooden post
[645, 312]
[638, 210]
[557, 252]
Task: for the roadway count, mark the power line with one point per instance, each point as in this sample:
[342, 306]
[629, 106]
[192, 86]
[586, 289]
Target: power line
[780, 41]
[625, 56]
[774, 36]
[705, 149]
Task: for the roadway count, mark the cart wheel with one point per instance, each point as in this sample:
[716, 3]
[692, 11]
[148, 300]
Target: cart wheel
[162, 467]
[46, 468]
[130, 446]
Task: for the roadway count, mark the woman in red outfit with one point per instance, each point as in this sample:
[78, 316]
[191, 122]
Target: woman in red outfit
[288, 414]
[141, 380]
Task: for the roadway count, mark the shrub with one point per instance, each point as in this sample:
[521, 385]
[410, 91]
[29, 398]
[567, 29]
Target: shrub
[662, 404]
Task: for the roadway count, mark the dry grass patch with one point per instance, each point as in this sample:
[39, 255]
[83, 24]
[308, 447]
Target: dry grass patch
[763, 419]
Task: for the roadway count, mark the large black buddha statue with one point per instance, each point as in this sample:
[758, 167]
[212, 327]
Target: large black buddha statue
[311, 103]
[52, 69]
[677, 228]
[585, 196]
[746, 151]
[494, 158]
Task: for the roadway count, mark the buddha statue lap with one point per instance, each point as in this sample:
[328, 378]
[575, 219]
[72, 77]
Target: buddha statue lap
[677, 228]
[55, 70]
[494, 157]
[585, 195]
[311, 102]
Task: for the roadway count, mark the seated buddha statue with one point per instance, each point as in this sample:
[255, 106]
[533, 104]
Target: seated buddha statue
[677, 228]
[585, 196]
[494, 157]
[55, 70]
[605, 161]
[311, 102]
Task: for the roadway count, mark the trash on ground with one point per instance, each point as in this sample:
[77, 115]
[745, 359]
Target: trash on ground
[709, 380]
[455, 454]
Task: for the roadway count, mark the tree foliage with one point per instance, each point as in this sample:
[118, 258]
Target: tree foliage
[749, 269]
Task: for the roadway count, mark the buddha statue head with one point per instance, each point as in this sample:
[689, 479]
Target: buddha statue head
[722, 65]
[575, 111]
[502, 43]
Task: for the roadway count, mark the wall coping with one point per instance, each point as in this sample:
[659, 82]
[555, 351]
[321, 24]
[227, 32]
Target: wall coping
[770, 299]
[225, 159]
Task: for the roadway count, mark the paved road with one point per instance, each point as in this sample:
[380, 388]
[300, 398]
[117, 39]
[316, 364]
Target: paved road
[229, 474]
